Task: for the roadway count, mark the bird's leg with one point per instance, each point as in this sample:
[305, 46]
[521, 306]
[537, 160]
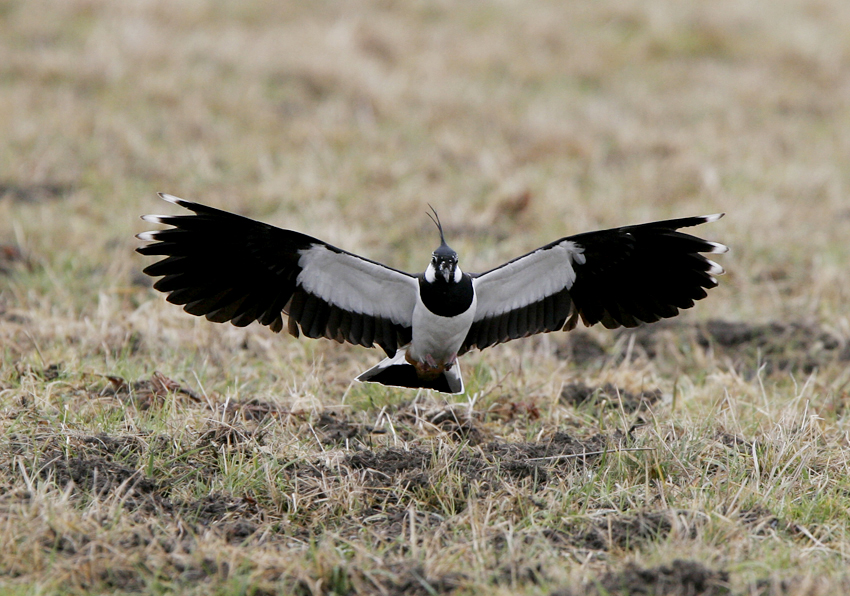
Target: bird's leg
[450, 362]
[429, 360]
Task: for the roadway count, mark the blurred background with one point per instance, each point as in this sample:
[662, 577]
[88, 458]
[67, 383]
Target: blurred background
[521, 122]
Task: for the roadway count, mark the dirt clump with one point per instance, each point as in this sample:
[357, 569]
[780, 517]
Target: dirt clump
[126, 448]
[148, 393]
[95, 474]
[336, 429]
[576, 394]
[391, 521]
[228, 436]
[239, 531]
[735, 442]
[496, 462]
[253, 410]
[775, 346]
[680, 578]
[651, 341]
[412, 580]
[580, 347]
[211, 509]
[561, 446]
[390, 461]
[456, 421]
[625, 532]
[761, 521]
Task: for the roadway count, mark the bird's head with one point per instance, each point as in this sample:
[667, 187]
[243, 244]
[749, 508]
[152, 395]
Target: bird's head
[443, 260]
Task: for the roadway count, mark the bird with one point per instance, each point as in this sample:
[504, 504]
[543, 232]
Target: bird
[227, 267]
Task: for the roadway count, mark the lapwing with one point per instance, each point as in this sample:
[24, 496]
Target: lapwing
[230, 268]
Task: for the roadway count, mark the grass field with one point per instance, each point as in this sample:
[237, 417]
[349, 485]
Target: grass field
[146, 451]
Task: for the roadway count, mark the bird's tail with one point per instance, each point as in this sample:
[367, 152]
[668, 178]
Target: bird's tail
[398, 372]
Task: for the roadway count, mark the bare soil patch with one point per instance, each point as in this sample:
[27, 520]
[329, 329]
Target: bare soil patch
[580, 347]
[680, 578]
[252, 411]
[96, 474]
[454, 421]
[620, 531]
[775, 347]
[390, 462]
[337, 429]
[576, 394]
[147, 393]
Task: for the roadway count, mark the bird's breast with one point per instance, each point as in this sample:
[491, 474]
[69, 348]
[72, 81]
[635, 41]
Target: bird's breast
[447, 299]
[438, 331]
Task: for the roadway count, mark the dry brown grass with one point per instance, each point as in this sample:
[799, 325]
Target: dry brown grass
[250, 463]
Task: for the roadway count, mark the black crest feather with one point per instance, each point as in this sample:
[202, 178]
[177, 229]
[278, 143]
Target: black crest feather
[436, 219]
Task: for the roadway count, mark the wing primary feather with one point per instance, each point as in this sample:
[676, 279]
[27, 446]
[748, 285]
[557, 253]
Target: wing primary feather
[484, 333]
[225, 312]
[229, 267]
[247, 317]
[296, 307]
[523, 328]
[320, 318]
[368, 336]
[563, 308]
[311, 305]
[504, 322]
[292, 326]
[513, 320]
[608, 321]
[548, 313]
[272, 313]
[540, 325]
[187, 295]
[334, 316]
[356, 330]
[345, 324]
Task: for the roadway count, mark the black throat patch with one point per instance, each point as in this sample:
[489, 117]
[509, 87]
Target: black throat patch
[446, 299]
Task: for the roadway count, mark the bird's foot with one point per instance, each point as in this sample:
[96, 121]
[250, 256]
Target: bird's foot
[428, 368]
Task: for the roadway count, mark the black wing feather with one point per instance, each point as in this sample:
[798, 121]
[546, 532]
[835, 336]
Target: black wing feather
[231, 268]
[628, 276]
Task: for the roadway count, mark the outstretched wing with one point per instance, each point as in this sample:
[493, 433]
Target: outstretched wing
[619, 277]
[231, 268]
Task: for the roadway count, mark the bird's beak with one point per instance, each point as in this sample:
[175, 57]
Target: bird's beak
[446, 271]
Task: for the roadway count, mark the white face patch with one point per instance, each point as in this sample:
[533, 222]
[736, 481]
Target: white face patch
[458, 274]
[430, 273]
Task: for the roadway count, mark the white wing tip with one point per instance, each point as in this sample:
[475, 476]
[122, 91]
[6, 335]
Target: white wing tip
[717, 248]
[154, 219]
[171, 198]
[715, 269]
[147, 236]
[712, 217]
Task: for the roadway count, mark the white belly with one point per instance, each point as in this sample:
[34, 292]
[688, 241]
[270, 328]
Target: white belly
[436, 336]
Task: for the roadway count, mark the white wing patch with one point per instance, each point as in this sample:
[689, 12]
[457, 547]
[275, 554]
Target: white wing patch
[527, 279]
[357, 285]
